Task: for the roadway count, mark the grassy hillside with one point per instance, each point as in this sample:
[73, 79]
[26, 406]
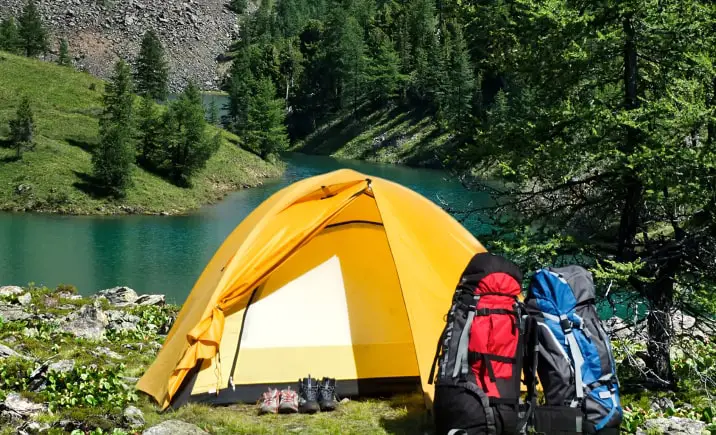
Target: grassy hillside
[392, 135]
[55, 176]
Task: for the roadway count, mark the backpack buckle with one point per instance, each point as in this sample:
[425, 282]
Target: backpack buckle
[566, 325]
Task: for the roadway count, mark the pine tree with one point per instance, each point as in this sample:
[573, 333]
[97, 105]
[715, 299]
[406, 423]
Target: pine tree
[22, 127]
[239, 88]
[112, 159]
[384, 77]
[152, 70]
[151, 154]
[266, 128]
[9, 36]
[64, 57]
[350, 62]
[238, 6]
[33, 36]
[190, 145]
[213, 116]
[461, 84]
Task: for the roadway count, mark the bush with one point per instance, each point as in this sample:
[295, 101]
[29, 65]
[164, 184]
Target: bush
[88, 387]
[14, 375]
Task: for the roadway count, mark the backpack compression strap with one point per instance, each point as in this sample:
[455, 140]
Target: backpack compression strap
[462, 357]
[576, 353]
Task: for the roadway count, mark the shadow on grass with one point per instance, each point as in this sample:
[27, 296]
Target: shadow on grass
[10, 159]
[84, 145]
[334, 135]
[414, 421]
[89, 185]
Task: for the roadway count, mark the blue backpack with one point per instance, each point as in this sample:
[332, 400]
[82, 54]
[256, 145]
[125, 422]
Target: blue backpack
[571, 355]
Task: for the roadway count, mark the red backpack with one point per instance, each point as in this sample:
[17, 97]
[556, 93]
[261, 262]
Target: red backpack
[480, 352]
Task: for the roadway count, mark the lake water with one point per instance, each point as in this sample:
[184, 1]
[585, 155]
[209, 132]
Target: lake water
[155, 254]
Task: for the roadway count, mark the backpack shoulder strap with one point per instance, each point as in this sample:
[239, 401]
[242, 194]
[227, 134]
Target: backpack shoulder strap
[462, 357]
[576, 354]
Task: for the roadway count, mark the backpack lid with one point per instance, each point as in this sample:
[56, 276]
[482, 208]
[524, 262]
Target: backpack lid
[580, 280]
[503, 271]
[560, 290]
[485, 263]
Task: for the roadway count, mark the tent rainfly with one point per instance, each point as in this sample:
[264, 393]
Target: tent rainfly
[338, 275]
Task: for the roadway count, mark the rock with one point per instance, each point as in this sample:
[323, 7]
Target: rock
[121, 321]
[133, 417]
[30, 332]
[675, 426]
[10, 290]
[174, 427]
[22, 189]
[16, 407]
[13, 314]
[151, 300]
[25, 299]
[38, 378]
[682, 323]
[62, 366]
[89, 322]
[661, 404]
[103, 351]
[34, 428]
[6, 352]
[119, 296]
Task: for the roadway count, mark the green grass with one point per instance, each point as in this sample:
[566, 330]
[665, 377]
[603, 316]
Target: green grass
[66, 104]
[402, 414]
[397, 415]
[417, 139]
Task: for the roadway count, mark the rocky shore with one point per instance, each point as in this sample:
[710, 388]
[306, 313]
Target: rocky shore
[69, 364]
[195, 33]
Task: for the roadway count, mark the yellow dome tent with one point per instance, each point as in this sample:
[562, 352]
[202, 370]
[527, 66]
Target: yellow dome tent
[339, 275]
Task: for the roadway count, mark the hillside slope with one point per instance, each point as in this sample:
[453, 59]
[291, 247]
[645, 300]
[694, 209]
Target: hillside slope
[396, 135]
[195, 33]
[54, 177]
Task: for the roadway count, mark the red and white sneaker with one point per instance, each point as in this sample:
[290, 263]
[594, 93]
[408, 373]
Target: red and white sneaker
[289, 401]
[269, 402]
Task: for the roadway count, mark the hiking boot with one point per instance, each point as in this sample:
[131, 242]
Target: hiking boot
[269, 402]
[289, 401]
[308, 396]
[327, 394]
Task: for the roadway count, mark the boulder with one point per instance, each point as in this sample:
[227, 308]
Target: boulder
[38, 378]
[10, 290]
[661, 404]
[133, 417]
[174, 427]
[33, 428]
[151, 300]
[674, 426]
[89, 322]
[25, 299]
[6, 352]
[16, 407]
[13, 314]
[121, 321]
[119, 296]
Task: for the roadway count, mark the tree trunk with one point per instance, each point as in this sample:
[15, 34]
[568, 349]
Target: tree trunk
[660, 295]
[712, 105]
[628, 225]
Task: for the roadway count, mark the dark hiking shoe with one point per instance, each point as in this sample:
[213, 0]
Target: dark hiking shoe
[308, 395]
[327, 394]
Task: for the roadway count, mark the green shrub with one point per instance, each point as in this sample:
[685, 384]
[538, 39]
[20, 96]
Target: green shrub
[14, 374]
[88, 386]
